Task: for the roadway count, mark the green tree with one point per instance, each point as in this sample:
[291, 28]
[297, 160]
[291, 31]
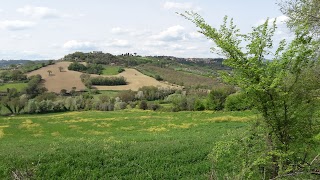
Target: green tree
[305, 13]
[283, 90]
[217, 97]
[34, 87]
[13, 101]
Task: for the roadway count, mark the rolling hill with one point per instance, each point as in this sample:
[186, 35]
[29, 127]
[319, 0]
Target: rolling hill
[67, 79]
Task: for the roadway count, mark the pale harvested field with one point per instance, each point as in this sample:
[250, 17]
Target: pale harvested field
[68, 79]
[59, 80]
[136, 80]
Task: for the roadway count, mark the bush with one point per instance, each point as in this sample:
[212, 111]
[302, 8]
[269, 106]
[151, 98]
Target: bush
[58, 106]
[31, 106]
[46, 96]
[152, 93]
[133, 104]
[153, 106]
[107, 106]
[127, 95]
[199, 106]
[63, 92]
[120, 70]
[158, 77]
[181, 102]
[43, 106]
[120, 105]
[238, 102]
[217, 97]
[104, 98]
[143, 105]
[70, 104]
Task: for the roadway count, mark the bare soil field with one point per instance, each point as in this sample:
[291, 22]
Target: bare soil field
[68, 79]
[59, 80]
[136, 80]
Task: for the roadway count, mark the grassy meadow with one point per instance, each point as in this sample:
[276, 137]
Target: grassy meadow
[110, 70]
[18, 86]
[108, 93]
[130, 144]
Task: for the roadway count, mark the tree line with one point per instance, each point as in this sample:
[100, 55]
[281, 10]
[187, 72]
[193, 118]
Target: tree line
[89, 68]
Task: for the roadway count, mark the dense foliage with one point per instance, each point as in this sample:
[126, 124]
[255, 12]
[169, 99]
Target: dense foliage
[12, 75]
[90, 68]
[283, 90]
[302, 13]
[94, 58]
[108, 81]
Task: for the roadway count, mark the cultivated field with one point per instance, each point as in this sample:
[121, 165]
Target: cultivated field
[179, 77]
[59, 80]
[68, 79]
[136, 80]
[129, 144]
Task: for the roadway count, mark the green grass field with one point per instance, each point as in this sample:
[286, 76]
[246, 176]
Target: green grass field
[110, 70]
[114, 145]
[18, 86]
[109, 93]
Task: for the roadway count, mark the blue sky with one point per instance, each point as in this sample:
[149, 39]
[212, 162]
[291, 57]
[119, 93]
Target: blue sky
[50, 29]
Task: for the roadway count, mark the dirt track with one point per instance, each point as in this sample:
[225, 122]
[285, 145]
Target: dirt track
[68, 79]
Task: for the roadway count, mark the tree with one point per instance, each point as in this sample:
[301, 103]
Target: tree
[13, 101]
[49, 71]
[63, 92]
[34, 87]
[283, 90]
[302, 13]
[60, 68]
[217, 97]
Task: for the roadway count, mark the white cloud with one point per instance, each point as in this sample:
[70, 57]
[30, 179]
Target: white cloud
[119, 30]
[79, 45]
[39, 12]
[192, 48]
[14, 25]
[20, 36]
[173, 33]
[131, 32]
[24, 54]
[196, 35]
[181, 6]
[119, 43]
[176, 47]
[154, 43]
